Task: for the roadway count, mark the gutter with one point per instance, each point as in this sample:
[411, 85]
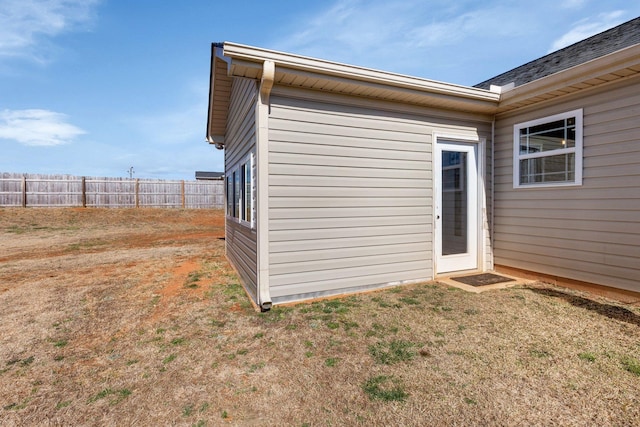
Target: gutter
[350, 72]
[609, 68]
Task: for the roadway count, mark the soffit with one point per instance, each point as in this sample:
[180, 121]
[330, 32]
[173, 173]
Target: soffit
[315, 74]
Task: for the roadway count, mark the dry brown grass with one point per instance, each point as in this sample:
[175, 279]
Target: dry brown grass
[121, 317]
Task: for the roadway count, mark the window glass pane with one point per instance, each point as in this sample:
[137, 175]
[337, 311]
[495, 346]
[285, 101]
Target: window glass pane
[242, 202]
[229, 196]
[560, 168]
[454, 203]
[237, 193]
[450, 158]
[452, 163]
[451, 179]
[247, 192]
[548, 136]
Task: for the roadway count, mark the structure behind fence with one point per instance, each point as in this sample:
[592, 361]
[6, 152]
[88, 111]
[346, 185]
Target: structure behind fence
[36, 190]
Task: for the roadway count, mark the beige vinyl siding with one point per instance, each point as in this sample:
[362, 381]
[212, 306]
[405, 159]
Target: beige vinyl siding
[590, 232]
[241, 240]
[350, 191]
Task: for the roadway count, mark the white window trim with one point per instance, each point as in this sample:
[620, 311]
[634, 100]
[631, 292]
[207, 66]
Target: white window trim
[248, 160]
[577, 149]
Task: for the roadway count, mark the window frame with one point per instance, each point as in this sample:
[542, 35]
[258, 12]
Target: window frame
[241, 190]
[576, 150]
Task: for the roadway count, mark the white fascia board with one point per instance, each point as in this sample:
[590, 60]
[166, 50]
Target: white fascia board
[287, 60]
[627, 58]
[219, 53]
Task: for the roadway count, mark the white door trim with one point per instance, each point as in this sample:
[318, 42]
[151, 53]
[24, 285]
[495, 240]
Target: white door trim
[473, 259]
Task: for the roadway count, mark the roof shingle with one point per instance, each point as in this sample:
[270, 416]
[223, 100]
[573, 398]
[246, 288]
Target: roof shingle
[607, 42]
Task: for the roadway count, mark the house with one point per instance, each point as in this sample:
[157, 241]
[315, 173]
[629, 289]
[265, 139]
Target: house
[341, 179]
[209, 176]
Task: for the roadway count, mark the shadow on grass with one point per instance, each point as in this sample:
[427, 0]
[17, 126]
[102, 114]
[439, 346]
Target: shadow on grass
[611, 311]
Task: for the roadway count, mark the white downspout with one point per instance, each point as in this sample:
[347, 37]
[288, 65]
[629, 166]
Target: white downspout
[262, 184]
[493, 184]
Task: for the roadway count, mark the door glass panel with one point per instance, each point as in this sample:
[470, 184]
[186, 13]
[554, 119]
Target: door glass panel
[454, 202]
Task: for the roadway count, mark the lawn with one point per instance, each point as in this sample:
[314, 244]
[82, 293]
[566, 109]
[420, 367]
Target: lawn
[125, 316]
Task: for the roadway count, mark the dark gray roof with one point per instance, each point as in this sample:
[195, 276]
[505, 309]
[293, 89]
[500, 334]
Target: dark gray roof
[607, 42]
[209, 175]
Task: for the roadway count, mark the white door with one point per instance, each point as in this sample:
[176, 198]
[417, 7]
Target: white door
[456, 206]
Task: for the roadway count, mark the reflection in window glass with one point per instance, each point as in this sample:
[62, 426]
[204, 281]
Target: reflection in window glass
[454, 203]
[548, 137]
[237, 194]
[548, 169]
[248, 205]
[230, 197]
[243, 200]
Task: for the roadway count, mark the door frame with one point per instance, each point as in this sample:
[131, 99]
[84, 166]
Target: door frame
[480, 205]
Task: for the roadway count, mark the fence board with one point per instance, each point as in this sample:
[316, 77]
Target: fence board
[36, 190]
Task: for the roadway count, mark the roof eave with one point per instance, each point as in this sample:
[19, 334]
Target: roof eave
[219, 95]
[622, 64]
[246, 62]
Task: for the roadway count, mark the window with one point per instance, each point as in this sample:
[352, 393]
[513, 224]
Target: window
[237, 194]
[230, 195]
[241, 192]
[548, 151]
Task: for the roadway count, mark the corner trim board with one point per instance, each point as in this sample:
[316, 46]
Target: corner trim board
[262, 184]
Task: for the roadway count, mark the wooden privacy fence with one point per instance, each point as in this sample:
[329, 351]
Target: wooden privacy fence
[68, 191]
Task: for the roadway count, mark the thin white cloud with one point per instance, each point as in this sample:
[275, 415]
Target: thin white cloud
[385, 34]
[37, 127]
[349, 24]
[446, 32]
[25, 23]
[588, 27]
[572, 4]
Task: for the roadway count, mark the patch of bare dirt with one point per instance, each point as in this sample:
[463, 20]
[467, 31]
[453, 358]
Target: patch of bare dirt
[120, 317]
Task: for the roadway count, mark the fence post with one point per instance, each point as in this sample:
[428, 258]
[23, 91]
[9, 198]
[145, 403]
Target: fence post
[24, 191]
[84, 192]
[182, 192]
[137, 192]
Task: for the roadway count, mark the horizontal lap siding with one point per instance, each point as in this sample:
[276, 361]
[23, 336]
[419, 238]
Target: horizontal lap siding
[240, 140]
[589, 233]
[350, 193]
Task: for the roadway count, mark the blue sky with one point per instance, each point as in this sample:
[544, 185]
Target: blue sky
[92, 87]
